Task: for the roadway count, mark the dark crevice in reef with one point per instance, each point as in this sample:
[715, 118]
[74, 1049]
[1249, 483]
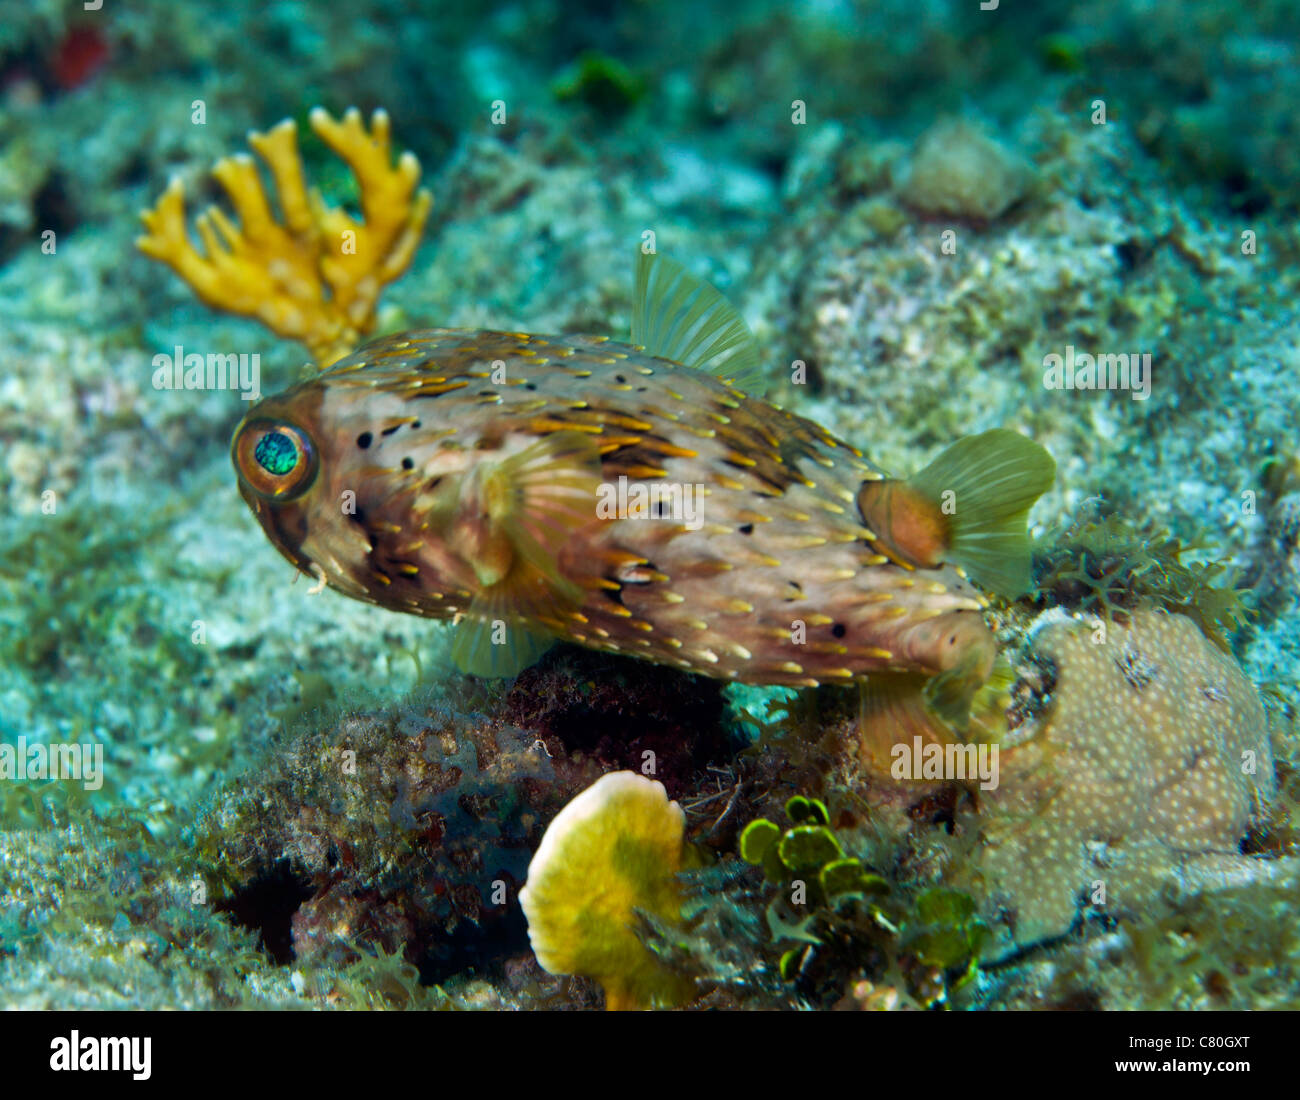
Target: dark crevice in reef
[472, 947]
[267, 905]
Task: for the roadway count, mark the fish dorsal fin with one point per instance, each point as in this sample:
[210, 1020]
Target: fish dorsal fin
[680, 317]
[535, 500]
[969, 507]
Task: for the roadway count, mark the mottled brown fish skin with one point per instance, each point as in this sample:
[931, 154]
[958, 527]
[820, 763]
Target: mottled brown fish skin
[782, 584]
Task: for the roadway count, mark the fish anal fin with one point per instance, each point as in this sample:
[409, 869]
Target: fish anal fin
[893, 710]
[951, 693]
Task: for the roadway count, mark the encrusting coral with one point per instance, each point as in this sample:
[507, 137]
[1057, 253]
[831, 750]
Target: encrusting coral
[315, 277]
[1145, 767]
[613, 850]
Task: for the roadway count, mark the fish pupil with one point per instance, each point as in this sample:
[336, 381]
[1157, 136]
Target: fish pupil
[276, 453]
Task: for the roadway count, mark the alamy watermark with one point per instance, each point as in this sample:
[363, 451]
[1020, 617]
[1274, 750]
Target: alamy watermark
[681, 503]
[131, 1054]
[176, 370]
[61, 760]
[1077, 370]
[920, 760]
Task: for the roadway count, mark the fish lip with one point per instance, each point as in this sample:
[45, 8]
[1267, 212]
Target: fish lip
[953, 639]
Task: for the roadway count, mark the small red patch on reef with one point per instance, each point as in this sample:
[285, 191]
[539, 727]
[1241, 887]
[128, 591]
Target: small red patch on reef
[624, 714]
[79, 57]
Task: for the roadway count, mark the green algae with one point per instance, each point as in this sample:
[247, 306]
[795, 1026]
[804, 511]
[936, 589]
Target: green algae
[601, 82]
[1104, 565]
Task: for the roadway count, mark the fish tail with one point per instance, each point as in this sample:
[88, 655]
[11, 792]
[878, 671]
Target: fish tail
[970, 506]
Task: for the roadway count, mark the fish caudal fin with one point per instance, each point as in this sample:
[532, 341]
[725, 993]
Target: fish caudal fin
[969, 507]
[530, 504]
[680, 317]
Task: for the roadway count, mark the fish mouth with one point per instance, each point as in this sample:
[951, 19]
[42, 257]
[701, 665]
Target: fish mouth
[954, 639]
[285, 526]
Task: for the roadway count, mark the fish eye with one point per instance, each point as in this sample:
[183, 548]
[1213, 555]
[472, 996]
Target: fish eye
[274, 458]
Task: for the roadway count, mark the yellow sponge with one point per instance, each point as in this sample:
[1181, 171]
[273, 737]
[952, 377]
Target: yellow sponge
[614, 849]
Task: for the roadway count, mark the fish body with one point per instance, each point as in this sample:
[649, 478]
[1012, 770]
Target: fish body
[635, 498]
[776, 579]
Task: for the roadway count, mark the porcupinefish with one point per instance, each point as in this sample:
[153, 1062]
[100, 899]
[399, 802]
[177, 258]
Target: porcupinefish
[533, 488]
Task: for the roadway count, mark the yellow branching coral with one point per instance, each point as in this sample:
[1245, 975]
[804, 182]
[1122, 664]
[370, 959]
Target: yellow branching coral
[317, 275]
[614, 849]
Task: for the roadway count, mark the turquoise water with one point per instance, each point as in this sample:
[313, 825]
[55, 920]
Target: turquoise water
[222, 788]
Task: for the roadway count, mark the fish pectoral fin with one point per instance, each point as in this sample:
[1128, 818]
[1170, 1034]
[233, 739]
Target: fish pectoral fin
[499, 635]
[892, 710]
[680, 317]
[553, 489]
[539, 498]
[969, 506]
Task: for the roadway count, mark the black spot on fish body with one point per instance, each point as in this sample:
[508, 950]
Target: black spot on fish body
[365, 439]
